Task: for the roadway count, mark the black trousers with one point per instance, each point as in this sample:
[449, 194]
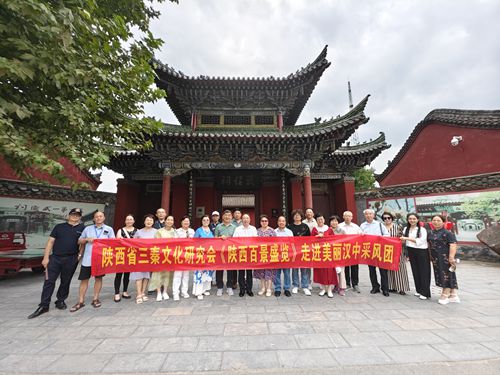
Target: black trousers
[246, 283]
[383, 278]
[118, 281]
[58, 266]
[421, 269]
[231, 279]
[352, 275]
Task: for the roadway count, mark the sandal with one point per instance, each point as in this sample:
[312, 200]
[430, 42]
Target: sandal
[96, 303]
[117, 298]
[145, 298]
[77, 307]
[126, 296]
[138, 300]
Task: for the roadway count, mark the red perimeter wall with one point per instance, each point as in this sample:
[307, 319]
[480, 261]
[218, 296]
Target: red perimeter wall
[432, 157]
[70, 170]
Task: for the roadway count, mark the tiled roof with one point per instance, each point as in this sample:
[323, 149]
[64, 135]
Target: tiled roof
[352, 119]
[482, 119]
[288, 94]
[21, 189]
[465, 183]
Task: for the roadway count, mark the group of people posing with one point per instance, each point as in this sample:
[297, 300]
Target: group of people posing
[71, 241]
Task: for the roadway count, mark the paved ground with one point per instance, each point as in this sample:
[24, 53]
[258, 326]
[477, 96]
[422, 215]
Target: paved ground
[357, 334]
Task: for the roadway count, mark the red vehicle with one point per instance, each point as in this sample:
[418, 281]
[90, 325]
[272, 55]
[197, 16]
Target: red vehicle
[14, 255]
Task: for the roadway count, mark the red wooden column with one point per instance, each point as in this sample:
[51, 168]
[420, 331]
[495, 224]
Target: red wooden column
[344, 196]
[296, 193]
[165, 191]
[308, 197]
[127, 201]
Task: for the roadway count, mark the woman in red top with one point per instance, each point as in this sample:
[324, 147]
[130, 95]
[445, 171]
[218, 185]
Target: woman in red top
[326, 277]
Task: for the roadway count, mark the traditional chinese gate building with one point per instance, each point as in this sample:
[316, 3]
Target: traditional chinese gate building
[238, 145]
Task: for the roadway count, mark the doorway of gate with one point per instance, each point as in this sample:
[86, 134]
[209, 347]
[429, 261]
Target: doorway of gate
[244, 202]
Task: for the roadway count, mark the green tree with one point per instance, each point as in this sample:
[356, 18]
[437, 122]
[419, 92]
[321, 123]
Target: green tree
[364, 178]
[487, 204]
[74, 75]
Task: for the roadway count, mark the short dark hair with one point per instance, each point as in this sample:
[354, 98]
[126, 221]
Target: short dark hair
[227, 212]
[185, 217]
[441, 217]
[318, 215]
[299, 212]
[204, 216]
[386, 213]
[263, 216]
[334, 217]
[283, 216]
[151, 216]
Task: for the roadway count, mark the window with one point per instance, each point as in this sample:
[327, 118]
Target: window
[210, 119]
[264, 120]
[237, 120]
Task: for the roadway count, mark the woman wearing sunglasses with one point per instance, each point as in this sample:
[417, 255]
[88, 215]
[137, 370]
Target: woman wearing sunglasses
[398, 280]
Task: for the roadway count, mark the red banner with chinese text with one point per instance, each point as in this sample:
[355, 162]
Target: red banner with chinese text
[142, 255]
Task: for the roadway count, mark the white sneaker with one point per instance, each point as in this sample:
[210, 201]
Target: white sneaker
[295, 290]
[207, 293]
[158, 297]
[165, 296]
[454, 299]
[307, 292]
[176, 297]
[230, 292]
[268, 293]
[423, 298]
[185, 295]
[330, 294]
[321, 293]
[219, 292]
[200, 297]
[417, 294]
[444, 301]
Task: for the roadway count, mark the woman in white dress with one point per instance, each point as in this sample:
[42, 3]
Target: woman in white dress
[181, 278]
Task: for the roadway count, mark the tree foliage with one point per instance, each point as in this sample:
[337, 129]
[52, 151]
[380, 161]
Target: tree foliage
[74, 75]
[364, 178]
[486, 205]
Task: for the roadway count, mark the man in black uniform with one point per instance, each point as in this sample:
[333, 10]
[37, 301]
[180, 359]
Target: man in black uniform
[63, 241]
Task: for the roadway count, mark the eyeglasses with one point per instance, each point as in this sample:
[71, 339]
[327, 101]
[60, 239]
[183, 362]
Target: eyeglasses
[264, 220]
[387, 218]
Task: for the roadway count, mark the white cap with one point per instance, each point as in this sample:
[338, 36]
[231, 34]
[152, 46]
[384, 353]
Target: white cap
[215, 213]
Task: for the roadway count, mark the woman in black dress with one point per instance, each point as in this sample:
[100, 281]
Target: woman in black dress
[443, 245]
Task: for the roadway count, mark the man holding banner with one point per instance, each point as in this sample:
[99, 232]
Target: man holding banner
[225, 230]
[372, 226]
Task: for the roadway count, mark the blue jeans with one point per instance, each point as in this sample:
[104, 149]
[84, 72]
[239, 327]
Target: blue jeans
[305, 277]
[286, 279]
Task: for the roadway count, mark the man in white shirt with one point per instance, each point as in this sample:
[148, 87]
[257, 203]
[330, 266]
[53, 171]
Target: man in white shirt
[98, 230]
[282, 231]
[310, 220]
[351, 272]
[374, 227]
[245, 277]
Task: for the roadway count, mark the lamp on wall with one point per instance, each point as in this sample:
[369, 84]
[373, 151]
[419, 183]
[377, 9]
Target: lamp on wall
[456, 140]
